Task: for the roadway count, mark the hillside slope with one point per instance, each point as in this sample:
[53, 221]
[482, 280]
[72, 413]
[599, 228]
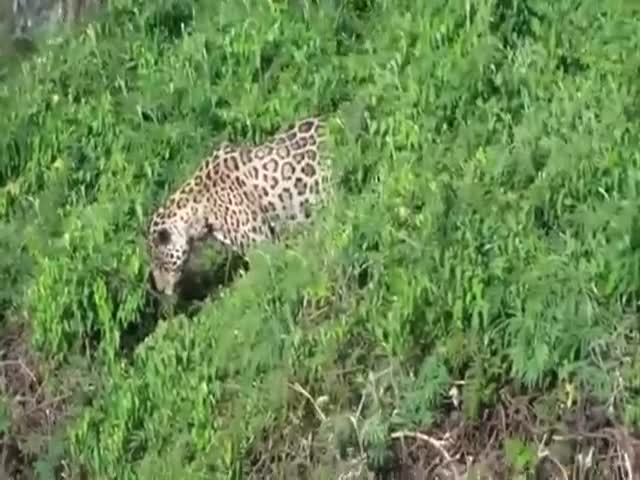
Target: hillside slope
[476, 279]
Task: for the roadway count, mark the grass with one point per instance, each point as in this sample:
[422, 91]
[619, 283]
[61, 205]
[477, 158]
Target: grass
[479, 262]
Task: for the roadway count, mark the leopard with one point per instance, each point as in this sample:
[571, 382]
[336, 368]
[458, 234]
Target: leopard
[242, 194]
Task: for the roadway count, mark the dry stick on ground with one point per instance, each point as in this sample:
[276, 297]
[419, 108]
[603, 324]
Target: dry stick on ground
[22, 365]
[546, 454]
[608, 434]
[298, 388]
[627, 461]
[425, 438]
[431, 441]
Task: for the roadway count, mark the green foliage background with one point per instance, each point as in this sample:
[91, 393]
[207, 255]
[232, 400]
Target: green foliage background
[485, 229]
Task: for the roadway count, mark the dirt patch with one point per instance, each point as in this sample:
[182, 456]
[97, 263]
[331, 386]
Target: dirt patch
[513, 439]
[32, 405]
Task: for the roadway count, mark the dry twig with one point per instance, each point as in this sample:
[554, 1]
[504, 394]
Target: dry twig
[298, 388]
[425, 438]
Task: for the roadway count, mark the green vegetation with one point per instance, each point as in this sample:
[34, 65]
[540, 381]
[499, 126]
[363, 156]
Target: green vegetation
[485, 236]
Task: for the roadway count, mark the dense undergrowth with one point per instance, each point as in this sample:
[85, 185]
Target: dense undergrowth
[485, 232]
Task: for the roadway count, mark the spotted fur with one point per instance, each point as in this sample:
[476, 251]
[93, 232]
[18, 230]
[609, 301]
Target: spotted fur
[241, 195]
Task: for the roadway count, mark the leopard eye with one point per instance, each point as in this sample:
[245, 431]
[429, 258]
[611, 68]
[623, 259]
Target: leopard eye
[163, 236]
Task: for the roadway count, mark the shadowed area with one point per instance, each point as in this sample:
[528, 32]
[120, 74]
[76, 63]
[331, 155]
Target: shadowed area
[201, 280]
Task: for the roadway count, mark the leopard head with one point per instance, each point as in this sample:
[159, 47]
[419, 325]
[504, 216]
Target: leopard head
[169, 248]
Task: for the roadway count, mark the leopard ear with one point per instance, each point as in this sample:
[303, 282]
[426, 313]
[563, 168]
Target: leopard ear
[163, 236]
